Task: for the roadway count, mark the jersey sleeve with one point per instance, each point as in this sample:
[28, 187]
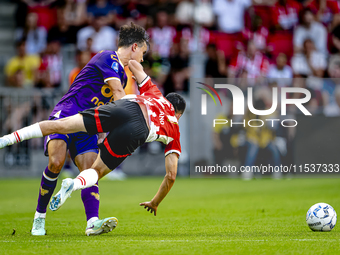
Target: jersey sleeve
[147, 86]
[109, 66]
[173, 147]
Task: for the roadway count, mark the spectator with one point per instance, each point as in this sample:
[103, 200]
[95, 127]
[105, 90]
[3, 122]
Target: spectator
[331, 88]
[253, 62]
[309, 28]
[62, 32]
[335, 40]
[82, 57]
[161, 5]
[47, 14]
[187, 34]
[20, 70]
[258, 33]
[133, 11]
[103, 8]
[326, 11]
[162, 35]
[185, 12]
[50, 70]
[104, 37]
[178, 79]
[34, 35]
[310, 62]
[215, 66]
[230, 14]
[73, 11]
[280, 73]
[286, 14]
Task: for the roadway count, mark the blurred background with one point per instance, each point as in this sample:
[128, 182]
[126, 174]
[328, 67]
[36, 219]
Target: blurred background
[261, 43]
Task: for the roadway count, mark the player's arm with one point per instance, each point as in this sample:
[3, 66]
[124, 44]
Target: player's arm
[116, 88]
[171, 161]
[137, 71]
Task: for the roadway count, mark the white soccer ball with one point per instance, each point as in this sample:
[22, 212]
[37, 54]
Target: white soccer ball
[321, 217]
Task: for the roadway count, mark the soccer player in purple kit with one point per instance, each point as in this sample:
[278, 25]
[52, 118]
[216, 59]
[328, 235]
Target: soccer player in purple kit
[103, 79]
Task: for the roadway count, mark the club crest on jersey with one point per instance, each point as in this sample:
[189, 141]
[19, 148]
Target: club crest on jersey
[115, 66]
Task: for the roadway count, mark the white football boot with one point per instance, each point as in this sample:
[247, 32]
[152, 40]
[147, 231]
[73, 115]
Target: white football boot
[64, 193]
[38, 228]
[101, 226]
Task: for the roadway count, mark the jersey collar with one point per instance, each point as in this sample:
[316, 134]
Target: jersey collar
[120, 62]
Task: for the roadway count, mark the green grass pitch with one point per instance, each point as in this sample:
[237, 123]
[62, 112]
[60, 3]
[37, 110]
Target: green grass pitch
[199, 216]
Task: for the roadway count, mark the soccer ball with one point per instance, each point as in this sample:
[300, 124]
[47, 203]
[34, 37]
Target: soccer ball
[321, 217]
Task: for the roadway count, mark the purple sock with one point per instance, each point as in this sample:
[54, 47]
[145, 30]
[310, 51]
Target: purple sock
[48, 184]
[90, 197]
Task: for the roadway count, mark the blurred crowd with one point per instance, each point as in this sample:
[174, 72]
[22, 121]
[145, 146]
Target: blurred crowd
[267, 43]
[241, 38]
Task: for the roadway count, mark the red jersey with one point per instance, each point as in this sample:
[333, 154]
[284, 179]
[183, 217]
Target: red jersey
[332, 8]
[162, 120]
[256, 67]
[286, 16]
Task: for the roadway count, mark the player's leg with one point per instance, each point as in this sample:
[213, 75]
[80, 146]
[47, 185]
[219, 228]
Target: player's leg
[90, 195]
[67, 125]
[85, 179]
[120, 143]
[57, 153]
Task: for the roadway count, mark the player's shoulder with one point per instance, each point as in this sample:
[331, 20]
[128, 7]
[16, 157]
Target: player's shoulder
[110, 58]
[107, 55]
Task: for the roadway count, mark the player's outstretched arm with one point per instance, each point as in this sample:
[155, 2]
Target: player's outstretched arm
[137, 71]
[67, 125]
[171, 162]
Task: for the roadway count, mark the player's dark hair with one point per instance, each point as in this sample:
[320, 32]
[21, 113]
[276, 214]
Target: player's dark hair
[177, 101]
[130, 34]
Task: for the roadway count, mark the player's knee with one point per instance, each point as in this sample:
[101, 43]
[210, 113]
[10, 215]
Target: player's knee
[55, 164]
[101, 173]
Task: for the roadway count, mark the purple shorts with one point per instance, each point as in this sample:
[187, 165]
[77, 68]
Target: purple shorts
[77, 143]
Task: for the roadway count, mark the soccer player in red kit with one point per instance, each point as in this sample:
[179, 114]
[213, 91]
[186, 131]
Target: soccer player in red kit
[130, 121]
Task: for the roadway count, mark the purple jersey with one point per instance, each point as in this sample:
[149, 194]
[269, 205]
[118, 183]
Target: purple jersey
[90, 88]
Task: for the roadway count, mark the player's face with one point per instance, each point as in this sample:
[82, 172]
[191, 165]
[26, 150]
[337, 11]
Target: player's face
[138, 52]
[178, 115]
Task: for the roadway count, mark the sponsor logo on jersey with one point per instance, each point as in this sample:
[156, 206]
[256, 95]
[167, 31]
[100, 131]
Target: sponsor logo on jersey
[114, 66]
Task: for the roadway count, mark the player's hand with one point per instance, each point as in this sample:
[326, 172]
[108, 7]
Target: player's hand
[150, 207]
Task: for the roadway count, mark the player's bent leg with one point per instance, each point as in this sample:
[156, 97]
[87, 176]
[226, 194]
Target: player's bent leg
[57, 154]
[85, 179]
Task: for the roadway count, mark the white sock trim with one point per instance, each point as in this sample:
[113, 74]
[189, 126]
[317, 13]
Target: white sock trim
[85, 179]
[39, 215]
